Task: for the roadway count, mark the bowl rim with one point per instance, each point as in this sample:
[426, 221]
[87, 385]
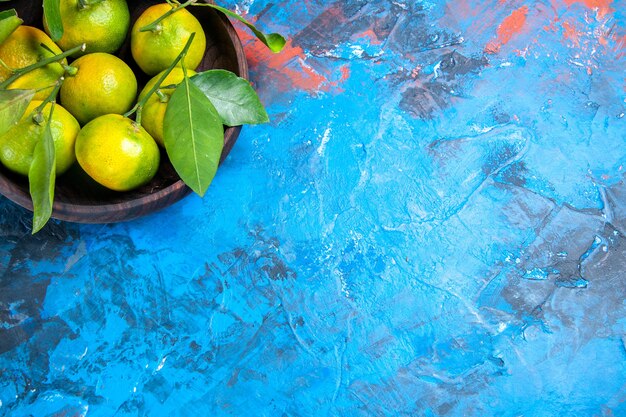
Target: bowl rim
[148, 203]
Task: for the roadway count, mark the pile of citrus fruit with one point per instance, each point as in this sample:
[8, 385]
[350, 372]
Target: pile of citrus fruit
[98, 88]
[66, 99]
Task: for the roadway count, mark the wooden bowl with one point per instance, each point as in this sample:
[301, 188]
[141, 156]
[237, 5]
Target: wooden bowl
[80, 199]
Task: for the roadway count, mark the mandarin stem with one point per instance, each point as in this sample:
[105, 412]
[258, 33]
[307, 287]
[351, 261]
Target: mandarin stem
[40, 64]
[68, 69]
[47, 48]
[53, 94]
[83, 4]
[139, 106]
[139, 113]
[163, 98]
[154, 26]
[45, 88]
[184, 68]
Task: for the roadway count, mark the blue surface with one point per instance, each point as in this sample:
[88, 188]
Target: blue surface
[432, 225]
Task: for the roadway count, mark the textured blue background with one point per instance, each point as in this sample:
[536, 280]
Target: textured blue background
[432, 225]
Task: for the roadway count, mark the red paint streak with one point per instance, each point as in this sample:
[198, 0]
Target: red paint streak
[521, 52]
[291, 69]
[289, 65]
[492, 47]
[603, 6]
[371, 35]
[553, 25]
[345, 73]
[510, 26]
[571, 33]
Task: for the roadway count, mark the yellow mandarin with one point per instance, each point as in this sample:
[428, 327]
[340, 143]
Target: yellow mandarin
[155, 51]
[101, 25]
[23, 48]
[18, 143]
[154, 109]
[102, 85]
[117, 152]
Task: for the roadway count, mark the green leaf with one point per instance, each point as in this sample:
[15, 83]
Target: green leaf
[13, 104]
[194, 136]
[274, 41]
[42, 176]
[52, 16]
[8, 23]
[233, 97]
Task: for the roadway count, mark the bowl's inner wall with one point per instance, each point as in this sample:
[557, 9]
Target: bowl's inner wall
[75, 187]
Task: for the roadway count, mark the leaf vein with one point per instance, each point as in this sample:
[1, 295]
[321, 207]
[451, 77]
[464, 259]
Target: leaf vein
[193, 135]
